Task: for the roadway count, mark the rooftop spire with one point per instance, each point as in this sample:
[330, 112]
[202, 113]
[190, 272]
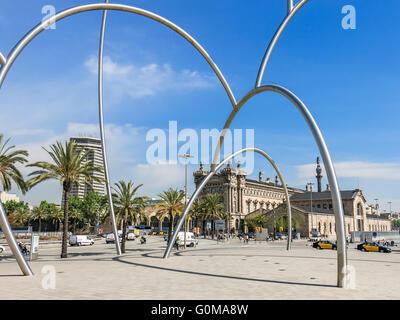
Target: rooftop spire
[319, 175]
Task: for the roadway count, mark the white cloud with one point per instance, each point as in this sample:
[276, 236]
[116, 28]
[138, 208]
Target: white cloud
[158, 178]
[148, 80]
[355, 169]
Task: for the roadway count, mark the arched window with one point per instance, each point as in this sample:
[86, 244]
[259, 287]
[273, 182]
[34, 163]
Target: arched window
[359, 209]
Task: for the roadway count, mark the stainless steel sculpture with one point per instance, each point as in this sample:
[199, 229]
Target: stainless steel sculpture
[102, 136]
[6, 63]
[2, 59]
[330, 171]
[209, 176]
[117, 7]
[12, 243]
[291, 11]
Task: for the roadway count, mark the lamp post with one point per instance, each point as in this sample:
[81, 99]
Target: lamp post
[185, 156]
[390, 207]
[310, 184]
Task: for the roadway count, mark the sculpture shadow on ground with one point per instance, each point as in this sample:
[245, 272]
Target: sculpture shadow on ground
[214, 275]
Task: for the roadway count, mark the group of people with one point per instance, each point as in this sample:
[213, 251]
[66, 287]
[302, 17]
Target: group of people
[385, 243]
[223, 236]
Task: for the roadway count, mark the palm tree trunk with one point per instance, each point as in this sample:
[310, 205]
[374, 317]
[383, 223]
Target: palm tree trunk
[171, 225]
[40, 225]
[123, 236]
[64, 248]
[212, 229]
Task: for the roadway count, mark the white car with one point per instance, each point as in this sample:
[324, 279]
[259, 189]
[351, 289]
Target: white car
[111, 239]
[130, 236]
[315, 238]
[79, 240]
[2, 249]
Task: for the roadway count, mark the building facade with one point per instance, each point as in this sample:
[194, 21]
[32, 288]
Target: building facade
[95, 155]
[4, 197]
[244, 198]
[357, 213]
[241, 195]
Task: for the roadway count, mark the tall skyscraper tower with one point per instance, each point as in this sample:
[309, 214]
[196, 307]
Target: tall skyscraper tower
[319, 176]
[95, 155]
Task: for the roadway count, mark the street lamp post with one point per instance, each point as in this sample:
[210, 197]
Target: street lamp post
[185, 156]
[310, 184]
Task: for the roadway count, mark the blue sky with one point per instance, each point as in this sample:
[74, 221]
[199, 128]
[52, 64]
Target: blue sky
[347, 78]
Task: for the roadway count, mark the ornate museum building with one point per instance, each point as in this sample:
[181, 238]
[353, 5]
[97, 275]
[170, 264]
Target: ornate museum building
[244, 198]
[240, 195]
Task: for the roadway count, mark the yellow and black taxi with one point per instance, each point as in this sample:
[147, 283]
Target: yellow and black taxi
[324, 244]
[156, 232]
[373, 247]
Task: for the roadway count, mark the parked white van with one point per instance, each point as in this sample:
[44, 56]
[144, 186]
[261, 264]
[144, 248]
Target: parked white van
[79, 240]
[191, 240]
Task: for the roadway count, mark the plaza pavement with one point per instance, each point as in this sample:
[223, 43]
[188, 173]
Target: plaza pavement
[215, 271]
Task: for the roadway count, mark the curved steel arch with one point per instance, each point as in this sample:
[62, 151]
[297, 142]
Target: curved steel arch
[291, 12]
[6, 63]
[323, 149]
[102, 134]
[116, 7]
[209, 176]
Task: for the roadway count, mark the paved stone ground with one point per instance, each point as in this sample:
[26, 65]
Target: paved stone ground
[210, 271]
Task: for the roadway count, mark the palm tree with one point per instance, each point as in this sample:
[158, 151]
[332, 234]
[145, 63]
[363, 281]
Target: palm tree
[75, 215]
[56, 217]
[197, 212]
[128, 206]
[75, 210]
[214, 209]
[20, 216]
[8, 171]
[69, 165]
[257, 222]
[171, 206]
[40, 213]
